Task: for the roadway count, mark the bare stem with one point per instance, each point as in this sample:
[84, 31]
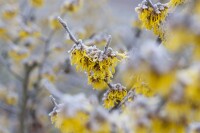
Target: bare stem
[7, 66]
[53, 100]
[109, 84]
[108, 43]
[22, 115]
[64, 24]
[51, 88]
[46, 54]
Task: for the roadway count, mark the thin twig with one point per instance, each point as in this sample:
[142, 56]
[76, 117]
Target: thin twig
[51, 88]
[151, 4]
[46, 54]
[7, 66]
[131, 94]
[22, 115]
[109, 84]
[53, 100]
[108, 43]
[9, 109]
[64, 24]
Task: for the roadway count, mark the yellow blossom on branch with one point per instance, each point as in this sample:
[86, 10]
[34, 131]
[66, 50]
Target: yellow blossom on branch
[174, 3]
[71, 116]
[18, 54]
[37, 3]
[71, 5]
[10, 12]
[153, 16]
[99, 65]
[114, 96]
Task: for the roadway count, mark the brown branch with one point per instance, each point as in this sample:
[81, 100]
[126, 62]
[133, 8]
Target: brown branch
[7, 66]
[109, 84]
[64, 24]
[22, 115]
[108, 43]
[53, 100]
[46, 54]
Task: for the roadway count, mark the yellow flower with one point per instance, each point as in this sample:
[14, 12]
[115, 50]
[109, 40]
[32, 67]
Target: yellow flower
[54, 23]
[152, 18]
[149, 82]
[11, 98]
[161, 83]
[137, 24]
[181, 36]
[71, 5]
[37, 3]
[197, 7]
[160, 125]
[3, 92]
[70, 124]
[9, 12]
[114, 96]
[27, 32]
[190, 78]
[51, 77]
[99, 66]
[177, 110]
[174, 3]
[140, 86]
[97, 83]
[3, 32]
[18, 54]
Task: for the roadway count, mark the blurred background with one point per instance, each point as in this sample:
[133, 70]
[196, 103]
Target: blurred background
[34, 46]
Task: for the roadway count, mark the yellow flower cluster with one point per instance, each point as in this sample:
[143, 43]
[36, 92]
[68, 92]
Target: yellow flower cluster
[99, 66]
[8, 96]
[70, 124]
[71, 5]
[10, 12]
[197, 7]
[149, 83]
[163, 116]
[177, 110]
[152, 18]
[174, 3]
[25, 32]
[3, 32]
[37, 3]
[140, 86]
[78, 116]
[114, 96]
[54, 24]
[18, 54]
[181, 37]
[190, 77]
[161, 125]
[50, 76]
[165, 126]
[72, 115]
